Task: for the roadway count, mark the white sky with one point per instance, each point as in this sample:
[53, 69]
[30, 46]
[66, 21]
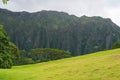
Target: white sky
[103, 8]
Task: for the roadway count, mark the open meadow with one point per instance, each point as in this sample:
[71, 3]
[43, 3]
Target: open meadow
[104, 65]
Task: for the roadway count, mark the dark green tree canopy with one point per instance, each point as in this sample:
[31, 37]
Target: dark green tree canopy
[46, 54]
[5, 52]
[8, 51]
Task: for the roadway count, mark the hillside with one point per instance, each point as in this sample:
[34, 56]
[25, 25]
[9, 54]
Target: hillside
[52, 29]
[102, 65]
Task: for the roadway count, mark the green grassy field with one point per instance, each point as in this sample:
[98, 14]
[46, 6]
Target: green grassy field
[104, 65]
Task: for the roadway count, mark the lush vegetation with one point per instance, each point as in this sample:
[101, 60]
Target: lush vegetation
[51, 29]
[41, 55]
[116, 44]
[5, 57]
[11, 55]
[47, 54]
[7, 50]
[103, 65]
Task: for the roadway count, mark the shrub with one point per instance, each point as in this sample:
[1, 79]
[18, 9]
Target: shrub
[46, 54]
[116, 45]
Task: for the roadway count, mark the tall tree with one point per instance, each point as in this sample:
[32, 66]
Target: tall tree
[9, 52]
[5, 51]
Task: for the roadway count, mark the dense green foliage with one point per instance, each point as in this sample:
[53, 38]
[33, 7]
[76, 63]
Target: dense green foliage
[116, 44]
[5, 51]
[102, 65]
[47, 54]
[40, 55]
[14, 53]
[24, 58]
[51, 29]
[9, 53]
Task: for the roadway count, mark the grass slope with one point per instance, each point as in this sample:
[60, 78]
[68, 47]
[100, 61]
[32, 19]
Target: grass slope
[104, 65]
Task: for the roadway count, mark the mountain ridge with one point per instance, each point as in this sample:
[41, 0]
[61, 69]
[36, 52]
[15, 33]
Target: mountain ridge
[52, 29]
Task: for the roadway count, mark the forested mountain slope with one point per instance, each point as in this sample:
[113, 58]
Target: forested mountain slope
[51, 29]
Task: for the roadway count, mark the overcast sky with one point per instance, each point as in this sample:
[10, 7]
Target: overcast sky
[104, 8]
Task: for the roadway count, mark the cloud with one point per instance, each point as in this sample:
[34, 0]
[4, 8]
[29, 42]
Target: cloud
[104, 8]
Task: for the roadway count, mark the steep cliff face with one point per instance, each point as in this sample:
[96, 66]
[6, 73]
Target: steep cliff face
[51, 29]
